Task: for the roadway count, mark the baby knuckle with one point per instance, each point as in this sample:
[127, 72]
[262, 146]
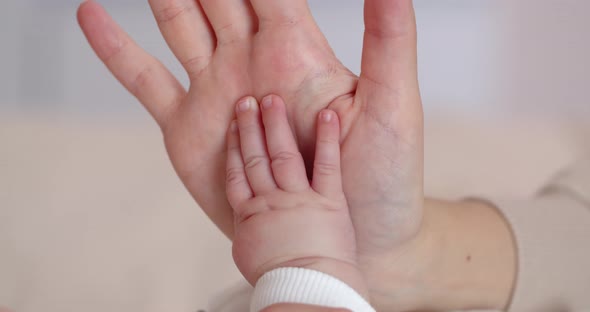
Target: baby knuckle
[327, 141]
[285, 157]
[234, 176]
[256, 161]
[325, 169]
[249, 127]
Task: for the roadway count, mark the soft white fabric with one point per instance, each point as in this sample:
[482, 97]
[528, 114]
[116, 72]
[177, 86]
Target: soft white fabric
[303, 286]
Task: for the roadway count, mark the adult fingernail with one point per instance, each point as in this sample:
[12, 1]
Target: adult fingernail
[267, 102]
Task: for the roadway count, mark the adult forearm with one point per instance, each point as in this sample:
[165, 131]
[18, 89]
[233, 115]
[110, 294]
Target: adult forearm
[477, 253]
[464, 258]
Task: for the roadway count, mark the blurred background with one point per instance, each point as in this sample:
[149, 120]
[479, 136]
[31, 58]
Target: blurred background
[93, 218]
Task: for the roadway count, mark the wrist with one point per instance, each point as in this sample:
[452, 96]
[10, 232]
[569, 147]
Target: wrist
[462, 258]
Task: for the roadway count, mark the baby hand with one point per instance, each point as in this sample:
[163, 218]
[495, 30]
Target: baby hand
[281, 219]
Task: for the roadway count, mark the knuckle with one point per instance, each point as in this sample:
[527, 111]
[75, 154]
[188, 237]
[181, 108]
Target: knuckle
[234, 176]
[141, 81]
[234, 148]
[285, 157]
[327, 141]
[325, 168]
[250, 126]
[231, 33]
[115, 52]
[195, 65]
[255, 161]
[171, 11]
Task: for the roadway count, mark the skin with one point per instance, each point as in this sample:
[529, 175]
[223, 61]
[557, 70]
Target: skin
[281, 218]
[234, 48]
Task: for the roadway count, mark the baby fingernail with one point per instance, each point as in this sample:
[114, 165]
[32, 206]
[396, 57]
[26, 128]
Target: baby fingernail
[326, 116]
[267, 102]
[244, 105]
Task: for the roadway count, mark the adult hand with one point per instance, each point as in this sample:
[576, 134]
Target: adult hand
[233, 48]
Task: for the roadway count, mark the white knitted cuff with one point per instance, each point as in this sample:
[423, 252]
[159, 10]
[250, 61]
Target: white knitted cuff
[303, 286]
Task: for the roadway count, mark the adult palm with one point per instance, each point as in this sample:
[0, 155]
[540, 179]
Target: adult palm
[234, 48]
